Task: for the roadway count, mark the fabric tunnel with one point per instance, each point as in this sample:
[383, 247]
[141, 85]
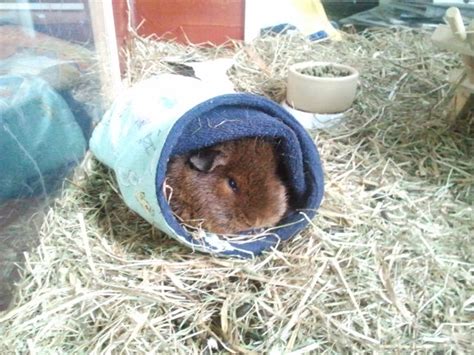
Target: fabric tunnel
[170, 115]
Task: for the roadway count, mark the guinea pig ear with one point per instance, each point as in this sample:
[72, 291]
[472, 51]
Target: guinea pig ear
[207, 160]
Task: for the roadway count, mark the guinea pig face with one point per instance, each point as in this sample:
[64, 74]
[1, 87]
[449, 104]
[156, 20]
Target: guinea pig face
[259, 199]
[240, 185]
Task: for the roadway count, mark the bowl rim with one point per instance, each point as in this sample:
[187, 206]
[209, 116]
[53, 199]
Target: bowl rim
[293, 70]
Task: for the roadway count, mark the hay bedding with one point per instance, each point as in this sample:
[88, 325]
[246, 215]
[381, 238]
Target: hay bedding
[386, 266]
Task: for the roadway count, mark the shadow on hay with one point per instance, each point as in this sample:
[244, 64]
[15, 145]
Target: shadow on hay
[108, 213]
[20, 221]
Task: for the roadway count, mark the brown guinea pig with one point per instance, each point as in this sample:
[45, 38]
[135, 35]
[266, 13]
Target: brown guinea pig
[228, 188]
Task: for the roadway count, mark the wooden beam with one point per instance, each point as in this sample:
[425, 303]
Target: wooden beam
[103, 28]
[462, 103]
[454, 18]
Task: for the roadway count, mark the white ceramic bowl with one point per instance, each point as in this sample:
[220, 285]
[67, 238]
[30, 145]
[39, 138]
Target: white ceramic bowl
[311, 120]
[319, 94]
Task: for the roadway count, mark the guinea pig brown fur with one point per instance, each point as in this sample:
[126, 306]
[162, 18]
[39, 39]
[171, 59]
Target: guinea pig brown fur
[228, 188]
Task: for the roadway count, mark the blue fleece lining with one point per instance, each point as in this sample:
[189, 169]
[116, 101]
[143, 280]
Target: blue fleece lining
[235, 116]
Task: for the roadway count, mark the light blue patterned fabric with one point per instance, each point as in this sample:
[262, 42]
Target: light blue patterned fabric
[39, 138]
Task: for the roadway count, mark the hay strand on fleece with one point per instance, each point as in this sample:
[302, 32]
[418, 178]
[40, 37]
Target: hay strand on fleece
[387, 265]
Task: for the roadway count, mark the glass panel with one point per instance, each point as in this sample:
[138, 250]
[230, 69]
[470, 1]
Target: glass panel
[50, 96]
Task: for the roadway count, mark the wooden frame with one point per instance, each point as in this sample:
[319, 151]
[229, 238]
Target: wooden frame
[105, 39]
[454, 37]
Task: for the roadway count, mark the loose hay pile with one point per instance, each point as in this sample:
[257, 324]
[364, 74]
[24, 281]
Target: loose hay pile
[387, 265]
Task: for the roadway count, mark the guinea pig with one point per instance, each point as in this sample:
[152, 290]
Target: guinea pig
[228, 188]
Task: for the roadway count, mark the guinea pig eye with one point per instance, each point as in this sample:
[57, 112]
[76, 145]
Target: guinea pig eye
[232, 184]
